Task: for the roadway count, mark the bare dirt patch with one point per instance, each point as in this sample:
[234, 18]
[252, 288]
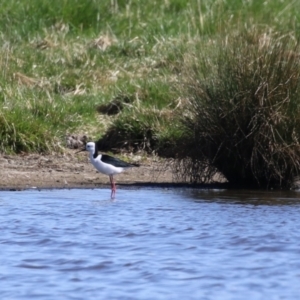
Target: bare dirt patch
[70, 171]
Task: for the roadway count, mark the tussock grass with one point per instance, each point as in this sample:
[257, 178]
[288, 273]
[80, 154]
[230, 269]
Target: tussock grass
[244, 114]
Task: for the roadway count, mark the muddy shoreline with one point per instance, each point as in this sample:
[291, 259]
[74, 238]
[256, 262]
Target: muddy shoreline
[69, 170]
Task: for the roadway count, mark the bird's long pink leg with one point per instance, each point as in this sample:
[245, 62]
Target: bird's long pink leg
[113, 186]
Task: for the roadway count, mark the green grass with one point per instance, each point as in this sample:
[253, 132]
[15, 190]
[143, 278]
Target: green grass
[61, 59]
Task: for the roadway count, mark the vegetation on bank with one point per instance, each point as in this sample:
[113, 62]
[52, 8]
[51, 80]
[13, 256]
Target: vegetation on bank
[211, 83]
[243, 118]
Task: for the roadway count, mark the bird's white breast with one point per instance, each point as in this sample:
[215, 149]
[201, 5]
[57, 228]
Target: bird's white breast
[104, 167]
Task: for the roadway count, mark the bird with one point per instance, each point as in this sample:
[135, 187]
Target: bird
[107, 164]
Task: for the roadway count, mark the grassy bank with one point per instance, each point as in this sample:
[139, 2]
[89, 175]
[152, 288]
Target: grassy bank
[115, 70]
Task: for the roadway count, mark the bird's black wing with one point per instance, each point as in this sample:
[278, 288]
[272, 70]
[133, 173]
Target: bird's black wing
[116, 161]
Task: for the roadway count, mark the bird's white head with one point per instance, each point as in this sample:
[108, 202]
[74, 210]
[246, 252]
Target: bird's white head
[91, 147]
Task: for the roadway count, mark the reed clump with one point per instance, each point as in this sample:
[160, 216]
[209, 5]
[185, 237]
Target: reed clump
[243, 117]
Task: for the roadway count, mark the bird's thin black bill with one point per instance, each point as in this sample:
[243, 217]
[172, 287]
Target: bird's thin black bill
[80, 150]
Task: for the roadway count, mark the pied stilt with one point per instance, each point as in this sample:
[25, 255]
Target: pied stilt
[107, 164]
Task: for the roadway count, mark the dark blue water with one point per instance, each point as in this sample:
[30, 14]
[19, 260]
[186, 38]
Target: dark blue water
[149, 244]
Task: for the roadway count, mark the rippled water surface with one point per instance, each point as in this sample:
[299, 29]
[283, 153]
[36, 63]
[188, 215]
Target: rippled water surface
[149, 244]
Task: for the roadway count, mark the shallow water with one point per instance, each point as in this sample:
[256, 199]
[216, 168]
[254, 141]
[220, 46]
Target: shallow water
[149, 244]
